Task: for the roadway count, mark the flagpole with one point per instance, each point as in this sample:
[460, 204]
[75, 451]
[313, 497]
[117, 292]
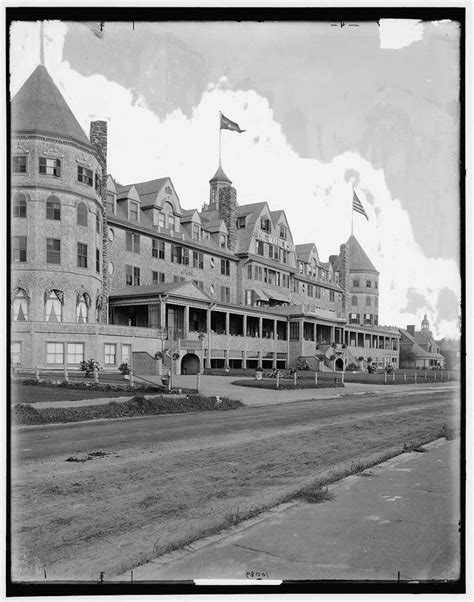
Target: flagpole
[220, 134]
[41, 42]
[352, 212]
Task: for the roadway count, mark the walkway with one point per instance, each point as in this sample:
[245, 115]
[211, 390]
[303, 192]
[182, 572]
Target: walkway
[398, 519]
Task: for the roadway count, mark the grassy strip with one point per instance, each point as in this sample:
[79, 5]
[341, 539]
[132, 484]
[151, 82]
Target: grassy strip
[287, 384]
[25, 414]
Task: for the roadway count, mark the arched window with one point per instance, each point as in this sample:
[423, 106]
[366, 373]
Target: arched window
[54, 306]
[20, 306]
[368, 302]
[19, 205]
[354, 300]
[82, 308]
[81, 214]
[53, 208]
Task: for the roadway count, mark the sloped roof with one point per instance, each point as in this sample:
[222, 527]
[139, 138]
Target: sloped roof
[39, 107]
[151, 186]
[188, 289]
[220, 176]
[250, 208]
[358, 259]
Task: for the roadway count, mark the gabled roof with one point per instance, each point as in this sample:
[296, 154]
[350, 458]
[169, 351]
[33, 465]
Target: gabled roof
[150, 186]
[39, 107]
[358, 259]
[303, 251]
[186, 289]
[250, 208]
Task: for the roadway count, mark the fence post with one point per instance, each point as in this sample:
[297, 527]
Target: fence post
[294, 379]
[96, 375]
[405, 376]
[37, 374]
[131, 378]
[66, 376]
[315, 378]
[277, 380]
[198, 382]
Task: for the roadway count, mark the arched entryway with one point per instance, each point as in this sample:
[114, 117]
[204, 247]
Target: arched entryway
[339, 365]
[190, 364]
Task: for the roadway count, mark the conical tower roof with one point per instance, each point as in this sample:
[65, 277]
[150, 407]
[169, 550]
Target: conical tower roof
[39, 107]
[220, 176]
[358, 259]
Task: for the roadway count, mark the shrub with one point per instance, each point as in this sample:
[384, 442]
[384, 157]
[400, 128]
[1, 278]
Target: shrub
[89, 366]
[352, 367]
[124, 369]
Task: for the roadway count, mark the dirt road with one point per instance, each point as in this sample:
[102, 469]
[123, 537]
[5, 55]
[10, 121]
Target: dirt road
[166, 480]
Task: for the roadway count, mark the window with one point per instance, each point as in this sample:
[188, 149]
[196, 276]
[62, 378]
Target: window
[132, 242]
[199, 284]
[354, 300]
[260, 247]
[81, 255]
[50, 167]
[19, 205]
[368, 319]
[179, 254]
[240, 223]
[284, 255]
[110, 351]
[198, 260]
[54, 306]
[301, 267]
[132, 275]
[157, 277]
[258, 272]
[75, 353]
[133, 211]
[171, 222]
[81, 214]
[353, 318]
[211, 290]
[126, 354]
[97, 223]
[97, 261]
[20, 307]
[110, 203]
[196, 231]
[15, 352]
[310, 290]
[179, 278]
[223, 240]
[161, 250]
[272, 252]
[296, 286]
[368, 302]
[84, 175]
[82, 309]
[249, 271]
[53, 208]
[19, 249]
[376, 284]
[282, 231]
[205, 235]
[53, 250]
[161, 219]
[356, 283]
[154, 248]
[368, 283]
[248, 297]
[265, 224]
[225, 267]
[55, 353]
[19, 164]
[331, 296]
[225, 294]
[294, 331]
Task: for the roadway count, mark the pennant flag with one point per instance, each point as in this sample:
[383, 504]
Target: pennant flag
[357, 205]
[227, 124]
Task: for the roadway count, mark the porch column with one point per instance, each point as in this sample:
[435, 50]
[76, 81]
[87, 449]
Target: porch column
[209, 342]
[227, 323]
[244, 360]
[333, 334]
[260, 327]
[162, 314]
[259, 359]
[244, 326]
[274, 330]
[186, 322]
[274, 365]
[301, 323]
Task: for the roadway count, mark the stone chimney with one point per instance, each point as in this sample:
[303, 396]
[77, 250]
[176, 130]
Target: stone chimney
[344, 280]
[98, 138]
[411, 329]
[227, 210]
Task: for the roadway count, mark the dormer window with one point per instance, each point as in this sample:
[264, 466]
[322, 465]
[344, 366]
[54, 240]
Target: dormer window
[84, 175]
[301, 267]
[282, 231]
[171, 222]
[51, 167]
[265, 224]
[110, 203]
[240, 222]
[205, 235]
[161, 219]
[133, 211]
[196, 232]
[222, 240]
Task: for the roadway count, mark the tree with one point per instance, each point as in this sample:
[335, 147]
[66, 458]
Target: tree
[407, 358]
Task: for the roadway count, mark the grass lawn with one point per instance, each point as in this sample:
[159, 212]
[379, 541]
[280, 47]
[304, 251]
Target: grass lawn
[124, 507]
[34, 393]
[287, 384]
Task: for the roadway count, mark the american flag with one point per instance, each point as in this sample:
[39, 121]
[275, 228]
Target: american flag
[227, 124]
[357, 205]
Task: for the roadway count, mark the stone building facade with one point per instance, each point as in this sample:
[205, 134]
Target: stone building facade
[122, 273]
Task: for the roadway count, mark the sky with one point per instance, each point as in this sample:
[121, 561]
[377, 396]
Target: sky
[325, 108]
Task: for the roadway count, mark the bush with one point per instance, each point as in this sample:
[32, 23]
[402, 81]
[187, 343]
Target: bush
[89, 366]
[352, 368]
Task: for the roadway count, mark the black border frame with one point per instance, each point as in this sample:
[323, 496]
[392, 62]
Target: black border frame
[334, 14]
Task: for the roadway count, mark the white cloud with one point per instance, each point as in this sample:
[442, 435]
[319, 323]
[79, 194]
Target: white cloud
[399, 33]
[263, 167]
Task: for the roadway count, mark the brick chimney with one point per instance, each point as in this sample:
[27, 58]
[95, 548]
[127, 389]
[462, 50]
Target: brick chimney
[98, 138]
[227, 210]
[411, 329]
